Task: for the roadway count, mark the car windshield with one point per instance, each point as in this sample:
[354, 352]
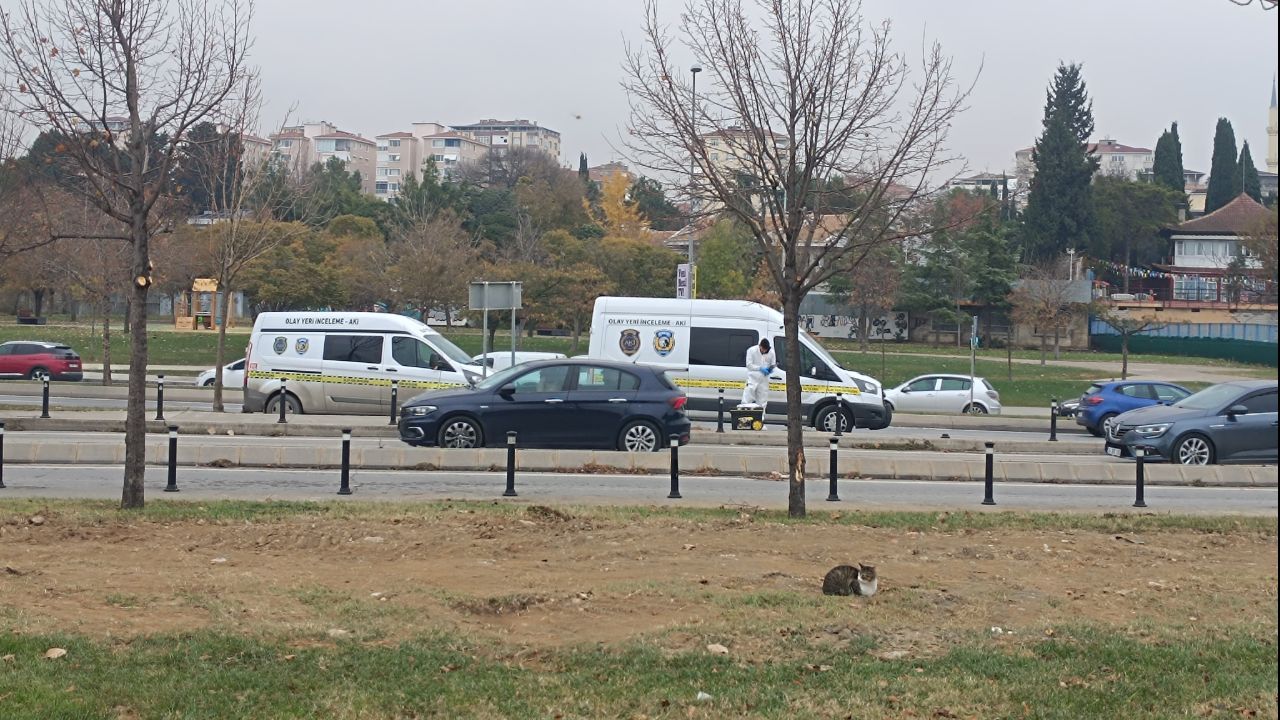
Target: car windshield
[1211, 398]
[451, 351]
[500, 378]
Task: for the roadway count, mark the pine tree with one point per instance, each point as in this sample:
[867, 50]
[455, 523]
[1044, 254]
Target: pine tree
[1224, 171]
[1167, 168]
[1250, 184]
[584, 174]
[1059, 214]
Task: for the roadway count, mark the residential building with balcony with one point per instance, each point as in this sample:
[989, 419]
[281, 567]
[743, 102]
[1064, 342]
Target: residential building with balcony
[301, 146]
[1114, 160]
[499, 135]
[404, 153]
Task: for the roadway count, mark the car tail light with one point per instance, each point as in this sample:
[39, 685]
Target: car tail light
[993, 394]
[678, 402]
[1094, 400]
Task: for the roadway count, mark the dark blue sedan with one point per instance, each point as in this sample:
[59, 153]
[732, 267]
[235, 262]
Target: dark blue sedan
[554, 404]
[1103, 401]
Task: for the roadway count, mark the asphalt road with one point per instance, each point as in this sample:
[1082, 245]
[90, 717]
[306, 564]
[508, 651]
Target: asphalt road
[90, 403]
[256, 484]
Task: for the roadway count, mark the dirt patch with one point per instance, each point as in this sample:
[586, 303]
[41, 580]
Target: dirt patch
[550, 577]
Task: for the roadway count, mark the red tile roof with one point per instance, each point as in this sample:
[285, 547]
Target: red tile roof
[1238, 217]
[396, 135]
[344, 135]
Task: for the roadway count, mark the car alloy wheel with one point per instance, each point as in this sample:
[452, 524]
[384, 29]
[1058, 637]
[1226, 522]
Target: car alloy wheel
[975, 409]
[1194, 450]
[1109, 428]
[39, 374]
[639, 437]
[460, 433]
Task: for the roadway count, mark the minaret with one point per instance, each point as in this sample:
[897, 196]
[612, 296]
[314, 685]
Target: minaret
[1271, 129]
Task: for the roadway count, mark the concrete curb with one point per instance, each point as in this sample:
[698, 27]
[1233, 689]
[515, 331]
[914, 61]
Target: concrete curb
[695, 462]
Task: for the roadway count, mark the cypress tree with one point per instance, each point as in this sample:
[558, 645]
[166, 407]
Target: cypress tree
[1167, 168]
[1224, 171]
[1059, 213]
[584, 174]
[1251, 186]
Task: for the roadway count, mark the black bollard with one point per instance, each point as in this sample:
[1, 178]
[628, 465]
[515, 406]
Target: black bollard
[172, 485]
[839, 414]
[395, 399]
[1139, 453]
[675, 470]
[284, 400]
[344, 486]
[160, 397]
[44, 403]
[832, 495]
[1, 456]
[988, 495]
[720, 413]
[1053, 419]
[511, 465]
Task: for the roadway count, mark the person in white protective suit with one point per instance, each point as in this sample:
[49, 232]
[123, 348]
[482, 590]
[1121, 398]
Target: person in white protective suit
[760, 363]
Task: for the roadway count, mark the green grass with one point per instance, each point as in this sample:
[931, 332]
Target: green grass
[17, 510]
[1079, 672]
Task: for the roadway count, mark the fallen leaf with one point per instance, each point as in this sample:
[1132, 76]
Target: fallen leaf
[718, 649]
[54, 653]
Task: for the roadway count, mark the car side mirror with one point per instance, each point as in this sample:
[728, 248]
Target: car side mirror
[906, 390]
[1237, 410]
[508, 389]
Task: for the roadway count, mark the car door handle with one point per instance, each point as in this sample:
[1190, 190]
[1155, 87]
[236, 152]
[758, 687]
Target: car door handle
[371, 367]
[622, 400]
[553, 401]
[392, 370]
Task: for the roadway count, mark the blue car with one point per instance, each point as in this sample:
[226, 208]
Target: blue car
[554, 404]
[1104, 400]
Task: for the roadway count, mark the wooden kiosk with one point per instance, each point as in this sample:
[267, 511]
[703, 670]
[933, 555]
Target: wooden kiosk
[197, 309]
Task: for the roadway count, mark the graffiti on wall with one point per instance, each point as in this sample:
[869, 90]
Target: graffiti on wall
[890, 326]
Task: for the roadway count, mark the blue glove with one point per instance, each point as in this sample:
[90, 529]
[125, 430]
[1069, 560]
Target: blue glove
[766, 370]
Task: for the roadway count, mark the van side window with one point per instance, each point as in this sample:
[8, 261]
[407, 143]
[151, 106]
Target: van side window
[810, 364]
[720, 346]
[353, 348]
[411, 352]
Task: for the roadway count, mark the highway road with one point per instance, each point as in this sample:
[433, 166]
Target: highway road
[104, 482]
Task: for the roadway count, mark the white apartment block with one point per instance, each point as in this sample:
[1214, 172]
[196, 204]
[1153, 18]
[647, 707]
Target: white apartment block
[302, 146]
[401, 154]
[502, 134]
[1114, 160]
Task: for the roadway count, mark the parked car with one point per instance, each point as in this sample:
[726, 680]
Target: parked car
[36, 359]
[1231, 422]
[569, 403]
[500, 360]
[232, 375]
[1104, 400]
[945, 394]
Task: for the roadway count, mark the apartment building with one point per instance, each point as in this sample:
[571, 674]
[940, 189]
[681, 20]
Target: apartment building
[301, 146]
[499, 135]
[401, 154]
[1114, 160]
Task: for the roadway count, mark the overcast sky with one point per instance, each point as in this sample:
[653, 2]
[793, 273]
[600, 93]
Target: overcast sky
[375, 66]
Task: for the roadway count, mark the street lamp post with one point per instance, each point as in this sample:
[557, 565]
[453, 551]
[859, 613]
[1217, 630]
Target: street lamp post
[693, 128]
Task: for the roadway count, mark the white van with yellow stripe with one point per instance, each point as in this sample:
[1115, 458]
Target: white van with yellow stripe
[345, 362]
[703, 344]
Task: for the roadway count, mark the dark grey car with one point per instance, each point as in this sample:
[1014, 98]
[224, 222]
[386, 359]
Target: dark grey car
[1231, 422]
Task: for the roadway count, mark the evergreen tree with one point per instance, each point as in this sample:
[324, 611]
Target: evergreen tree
[1059, 214]
[1250, 184]
[584, 173]
[1224, 171]
[1168, 161]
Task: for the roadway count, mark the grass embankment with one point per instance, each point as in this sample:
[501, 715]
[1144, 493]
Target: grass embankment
[511, 611]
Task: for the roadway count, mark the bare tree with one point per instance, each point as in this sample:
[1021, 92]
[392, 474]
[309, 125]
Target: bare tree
[123, 81]
[1045, 299]
[1127, 323]
[809, 100]
[431, 263]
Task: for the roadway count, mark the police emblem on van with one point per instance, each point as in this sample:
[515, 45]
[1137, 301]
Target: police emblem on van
[629, 342]
[300, 346]
[664, 341]
[279, 345]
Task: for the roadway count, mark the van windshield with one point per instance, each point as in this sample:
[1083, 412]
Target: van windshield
[451, 351]
[819, 350]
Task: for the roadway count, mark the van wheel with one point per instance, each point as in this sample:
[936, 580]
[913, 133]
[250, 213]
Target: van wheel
[292, 406]
[640, 436]
[829, 417]
[460, 432]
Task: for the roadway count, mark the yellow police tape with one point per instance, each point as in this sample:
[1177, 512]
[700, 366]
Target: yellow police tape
[436, 385]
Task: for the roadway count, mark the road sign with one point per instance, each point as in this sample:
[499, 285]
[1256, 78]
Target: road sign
[684, 287]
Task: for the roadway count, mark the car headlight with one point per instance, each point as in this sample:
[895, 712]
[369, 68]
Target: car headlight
[866, 387]
[1155, 430]
[418, 410]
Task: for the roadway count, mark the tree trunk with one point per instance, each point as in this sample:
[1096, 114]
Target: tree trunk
[795, 422]
[864, 330]
[135, 428]
[106, 344]
[128, 315]
[577, 333]
[1008, 351]
[1043, 347]
[1057, 353]
[37, 301]
[1124, 355]
[220, 357]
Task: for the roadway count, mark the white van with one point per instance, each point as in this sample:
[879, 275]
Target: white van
[703, 344]
[344, 362]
